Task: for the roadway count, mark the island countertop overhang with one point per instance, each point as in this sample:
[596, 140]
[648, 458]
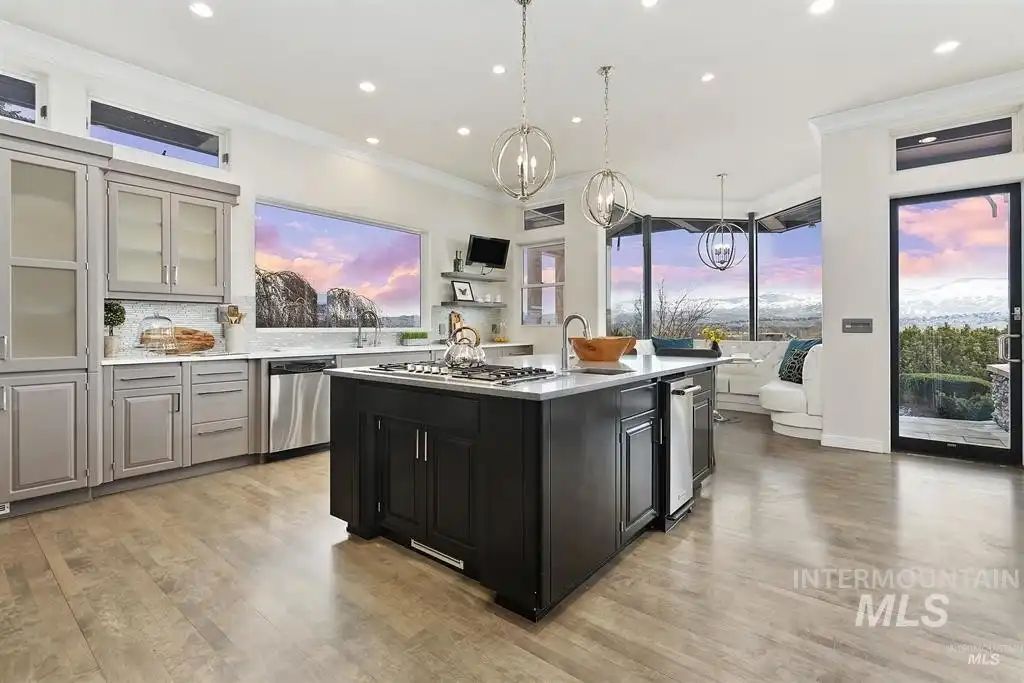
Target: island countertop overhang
[639, 368]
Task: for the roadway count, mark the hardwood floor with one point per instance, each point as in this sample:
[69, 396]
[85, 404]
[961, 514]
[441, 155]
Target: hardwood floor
[243, 576]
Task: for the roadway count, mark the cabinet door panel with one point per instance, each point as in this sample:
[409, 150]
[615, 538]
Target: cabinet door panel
[703, 437]
[450, 469]
[139, 240]
[147, 431]
[197, 246]
[42, 436]
[403, 501]
[43, 314]
[639, 475]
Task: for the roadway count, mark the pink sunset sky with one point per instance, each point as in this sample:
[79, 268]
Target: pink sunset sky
[380, 263]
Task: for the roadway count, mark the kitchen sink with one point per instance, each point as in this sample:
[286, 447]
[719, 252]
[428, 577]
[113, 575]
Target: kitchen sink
[600, 371]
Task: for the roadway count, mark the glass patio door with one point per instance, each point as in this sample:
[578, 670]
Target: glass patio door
[956, 324]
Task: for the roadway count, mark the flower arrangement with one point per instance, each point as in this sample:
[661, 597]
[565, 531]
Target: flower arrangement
[714, 335]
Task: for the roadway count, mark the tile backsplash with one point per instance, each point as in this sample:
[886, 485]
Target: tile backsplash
[204, 317]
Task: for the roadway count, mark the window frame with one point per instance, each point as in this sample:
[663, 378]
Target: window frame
[305, 208]
[40, 96]
[524, 285]
[222, 135]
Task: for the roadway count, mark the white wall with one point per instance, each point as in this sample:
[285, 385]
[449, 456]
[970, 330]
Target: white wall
[271, 157]
[858, 180]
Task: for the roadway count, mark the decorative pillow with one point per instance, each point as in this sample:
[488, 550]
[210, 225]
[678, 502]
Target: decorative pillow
[791, 369]
[661, 343]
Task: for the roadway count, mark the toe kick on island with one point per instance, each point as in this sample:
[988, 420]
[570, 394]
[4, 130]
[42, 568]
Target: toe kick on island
[528, 489]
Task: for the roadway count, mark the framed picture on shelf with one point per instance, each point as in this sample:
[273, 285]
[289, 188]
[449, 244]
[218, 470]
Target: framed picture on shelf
[462, 291]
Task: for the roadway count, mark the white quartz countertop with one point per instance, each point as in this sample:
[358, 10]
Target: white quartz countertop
[562, 384]
[288, 353]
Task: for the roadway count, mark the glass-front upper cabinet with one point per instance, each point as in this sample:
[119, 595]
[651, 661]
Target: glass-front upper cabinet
[42, 263]
[197, 262]
[139, 239]
[164, 244]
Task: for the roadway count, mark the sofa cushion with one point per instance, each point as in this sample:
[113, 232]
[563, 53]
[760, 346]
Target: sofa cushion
[666, 343]
[749, 384]
[784, 397]
[791, 369]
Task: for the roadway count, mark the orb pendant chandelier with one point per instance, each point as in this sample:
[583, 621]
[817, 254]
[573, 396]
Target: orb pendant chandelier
[718, 246]
[606, 188]
[522, 158]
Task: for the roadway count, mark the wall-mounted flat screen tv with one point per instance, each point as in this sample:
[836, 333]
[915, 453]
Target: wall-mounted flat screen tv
[487, 251]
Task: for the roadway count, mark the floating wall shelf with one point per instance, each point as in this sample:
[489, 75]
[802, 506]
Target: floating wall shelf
[475, 277]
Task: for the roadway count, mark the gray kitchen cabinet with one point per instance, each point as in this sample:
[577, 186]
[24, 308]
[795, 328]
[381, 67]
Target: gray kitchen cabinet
[167, 235]
[43, 303]
[42, 435]
[147, 431]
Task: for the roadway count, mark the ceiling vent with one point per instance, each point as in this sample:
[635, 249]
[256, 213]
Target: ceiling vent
[955, 144]
[544, 217]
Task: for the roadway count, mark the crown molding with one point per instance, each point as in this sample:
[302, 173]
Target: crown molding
[1004, 91]
[28, 49]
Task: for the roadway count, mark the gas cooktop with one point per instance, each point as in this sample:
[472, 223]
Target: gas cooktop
[505, 375]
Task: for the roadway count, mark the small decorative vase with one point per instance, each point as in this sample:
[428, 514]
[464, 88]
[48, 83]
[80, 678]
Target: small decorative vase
[716, 348]
[234, 339]
[109, 346]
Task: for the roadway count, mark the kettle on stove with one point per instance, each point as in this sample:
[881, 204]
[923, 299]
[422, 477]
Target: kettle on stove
[462, 351]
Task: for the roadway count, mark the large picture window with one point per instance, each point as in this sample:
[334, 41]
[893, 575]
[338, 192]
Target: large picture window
[657, 285]
[317, 270]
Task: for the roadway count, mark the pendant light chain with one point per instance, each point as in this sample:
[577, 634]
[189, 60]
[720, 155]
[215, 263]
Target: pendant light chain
[522, 70]
[721, 194]
[606, 71]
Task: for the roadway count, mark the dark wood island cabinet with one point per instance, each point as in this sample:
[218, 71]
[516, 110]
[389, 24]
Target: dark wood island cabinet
[527, 489]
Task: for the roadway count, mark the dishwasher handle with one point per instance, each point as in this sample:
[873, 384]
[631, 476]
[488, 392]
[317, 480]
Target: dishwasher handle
[688, 391]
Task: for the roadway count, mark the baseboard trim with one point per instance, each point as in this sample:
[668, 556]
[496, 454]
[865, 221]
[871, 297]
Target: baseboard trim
[168, 476]
[854, 443]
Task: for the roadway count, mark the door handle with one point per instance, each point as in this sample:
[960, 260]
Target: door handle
[417, 444]
[174, 275]
[424, 445]
[219, 391]
[686, 392]
[163, 274]
[3, 346]
[177, 403]
[3, 399]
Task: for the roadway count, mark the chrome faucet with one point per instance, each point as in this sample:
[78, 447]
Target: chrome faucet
[374, 320]
[565, 335]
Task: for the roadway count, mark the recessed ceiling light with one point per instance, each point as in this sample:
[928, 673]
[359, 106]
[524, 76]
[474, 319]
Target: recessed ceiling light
[498, 69]
[946, 47]
[707, 78]
[373, 141]
[927, 140]
[648, 3]
[821, 6]
[463, 131]
[367, 86]
[201, 9]
[577, 119]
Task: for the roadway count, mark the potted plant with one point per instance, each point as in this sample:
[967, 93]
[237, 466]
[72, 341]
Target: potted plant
[113, 316]
[715, 335]
[413, 338]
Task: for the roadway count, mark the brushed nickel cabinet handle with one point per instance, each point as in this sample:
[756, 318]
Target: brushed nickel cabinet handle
[163, 274]
[219, 431]
[219, 391]
[174, 275]
[3, 346]
[424, 445]
[145, 377]
[417, 444]
[3, 399]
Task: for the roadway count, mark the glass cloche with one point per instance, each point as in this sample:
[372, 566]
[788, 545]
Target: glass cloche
[156, 334]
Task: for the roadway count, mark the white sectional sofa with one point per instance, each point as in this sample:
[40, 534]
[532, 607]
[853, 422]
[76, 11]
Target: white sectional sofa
[795, 409]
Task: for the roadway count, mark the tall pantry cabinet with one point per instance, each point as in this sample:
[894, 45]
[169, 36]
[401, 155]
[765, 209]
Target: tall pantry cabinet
[51, 195]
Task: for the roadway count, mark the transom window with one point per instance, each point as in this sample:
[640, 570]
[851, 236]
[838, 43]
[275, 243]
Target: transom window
[123, 127]
[17, 99]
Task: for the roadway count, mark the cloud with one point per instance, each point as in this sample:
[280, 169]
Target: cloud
[958, 223]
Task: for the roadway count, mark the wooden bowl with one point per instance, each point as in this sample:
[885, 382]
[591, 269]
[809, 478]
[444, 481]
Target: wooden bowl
[602, 349]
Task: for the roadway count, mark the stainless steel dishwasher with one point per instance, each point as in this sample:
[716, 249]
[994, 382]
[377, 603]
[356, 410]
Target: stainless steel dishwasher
[300, 403]
[679, 445]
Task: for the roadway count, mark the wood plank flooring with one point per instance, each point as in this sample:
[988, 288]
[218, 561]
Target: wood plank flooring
[243, 576]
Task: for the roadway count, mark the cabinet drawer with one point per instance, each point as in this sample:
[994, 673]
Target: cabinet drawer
[204, 372]
[220, 401]
[218, 440]
[705, 379]
[638, 400]
[147, 376]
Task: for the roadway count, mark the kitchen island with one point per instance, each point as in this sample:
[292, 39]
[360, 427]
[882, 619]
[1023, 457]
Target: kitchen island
[529, 487]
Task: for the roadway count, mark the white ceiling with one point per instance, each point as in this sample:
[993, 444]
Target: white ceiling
[776, 66]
